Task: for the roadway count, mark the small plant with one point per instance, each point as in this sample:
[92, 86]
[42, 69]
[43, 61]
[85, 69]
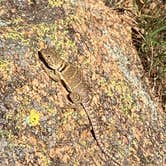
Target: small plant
[151, 43]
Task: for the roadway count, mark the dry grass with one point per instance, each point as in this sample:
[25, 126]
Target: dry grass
[149, 39]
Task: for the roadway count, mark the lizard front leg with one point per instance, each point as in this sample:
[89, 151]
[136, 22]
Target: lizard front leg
[51, 73]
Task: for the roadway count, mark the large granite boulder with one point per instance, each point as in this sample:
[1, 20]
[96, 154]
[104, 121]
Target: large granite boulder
[34, 129]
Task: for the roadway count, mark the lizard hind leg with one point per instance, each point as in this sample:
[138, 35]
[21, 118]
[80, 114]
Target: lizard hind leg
[75, 98]
[75, 101]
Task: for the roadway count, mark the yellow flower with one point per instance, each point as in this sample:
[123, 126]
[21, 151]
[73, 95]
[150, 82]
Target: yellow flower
[34, 118]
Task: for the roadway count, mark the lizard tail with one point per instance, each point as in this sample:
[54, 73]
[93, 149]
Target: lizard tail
[93, 122]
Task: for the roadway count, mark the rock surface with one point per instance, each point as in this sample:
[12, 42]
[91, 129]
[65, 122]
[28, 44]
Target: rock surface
[34, 129]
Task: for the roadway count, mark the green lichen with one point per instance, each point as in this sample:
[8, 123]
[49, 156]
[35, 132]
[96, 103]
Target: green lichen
[126, 98]
[4, 65]
[121, 88]
[17, 20]
[55, 34]
[5, 69]
[51, 110]
[16, 35]
[56, 3]
[42, 29]
[59, 38]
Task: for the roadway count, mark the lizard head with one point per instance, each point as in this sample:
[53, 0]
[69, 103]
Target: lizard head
[51, 58]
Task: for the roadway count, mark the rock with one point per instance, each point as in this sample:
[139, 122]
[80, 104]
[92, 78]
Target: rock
[99, 40]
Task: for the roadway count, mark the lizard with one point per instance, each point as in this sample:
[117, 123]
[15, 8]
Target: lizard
[79, 92]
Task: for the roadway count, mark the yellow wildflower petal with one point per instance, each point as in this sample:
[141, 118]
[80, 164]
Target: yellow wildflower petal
[34, 118]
